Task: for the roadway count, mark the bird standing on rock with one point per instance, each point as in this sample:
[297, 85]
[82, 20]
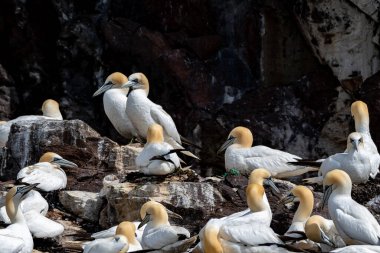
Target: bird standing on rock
[115, 103]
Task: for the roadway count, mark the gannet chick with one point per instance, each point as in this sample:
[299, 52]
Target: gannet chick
[50, 111]
[115, 103]
[143, 112]
[31, 201]
[359, 112]
[16, 238]
[158, 233]
[47, 172]
[323, 231]
[124, 234]
[157, 157]
[353, 221]
[356, 162]
[240, 155]
[305, 197]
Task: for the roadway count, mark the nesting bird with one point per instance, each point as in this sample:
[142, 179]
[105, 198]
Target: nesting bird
[157, 157]
[47, 172]
[115, 103]
[123, 240]
[16, 238]
[354, 222]
[50, 111]
[240, 155]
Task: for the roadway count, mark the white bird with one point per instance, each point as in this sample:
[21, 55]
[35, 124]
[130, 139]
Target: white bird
[323, 231]
[240, 155]
[157, 157]
[359, 112]
[353, 221]
[47, 172]
[31, 201]
[123, 240]
[358, 248]
[305, 197]
[356, 162]
[158, 233]
[16, 238]
[115, 103]
[50, 111]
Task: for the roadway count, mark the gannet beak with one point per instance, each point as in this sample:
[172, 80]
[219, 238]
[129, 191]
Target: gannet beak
[25, 189]
[102, 89]
[271, 184]
[129, 84]
[355, 143]
[144, 221]
[226, 144]
[326, 195]
[290, 198]
[65, 163]
[326, 240]
[173, 214]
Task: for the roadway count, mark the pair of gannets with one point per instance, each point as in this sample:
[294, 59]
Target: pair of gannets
[115, 103]
[50, 110]
[16, 238]
[157, 157]
[354, 222]
[47, 172]
[123, 240]
[240, 155]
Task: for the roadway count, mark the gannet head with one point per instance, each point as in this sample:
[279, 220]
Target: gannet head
[128, 230]
[255, 193]
[303, 195]
[359, 110]
[262, 176]
[155, 134]
[155, 212]
[14, 197]
[239, 135]
[336, 180]
[2, 122]
[315, 228]
[51, 157]
[211, 243]
[50, 108]
[355, 141]
[137, 81]
[113, 81]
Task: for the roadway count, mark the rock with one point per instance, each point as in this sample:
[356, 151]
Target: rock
[74, 140]
[86, 205]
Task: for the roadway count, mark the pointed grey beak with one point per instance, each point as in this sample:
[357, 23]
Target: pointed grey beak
[129, 84]
[290, 198]
[174, 215]
[326, 196]
[226, 144]
[65, 163]
[271, 184]
[326, 239]
[355, 143]
[144, 221]
[102, 89]
[25, 189]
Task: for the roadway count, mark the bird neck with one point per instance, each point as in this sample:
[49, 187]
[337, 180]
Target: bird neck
[14, 212]
[343, 189]
[362, 125]
[211, 242]
[304, 210]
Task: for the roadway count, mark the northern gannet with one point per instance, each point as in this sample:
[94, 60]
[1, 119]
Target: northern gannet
[143, 112]
[123, 240]
[158, 233]
[240, 155]
[306, 199]
[359, 112]
[47, 172]
[16, 238]
[115, 103]
[323, 231]
[50, 111]
[354, 222]
[157, 157]
[356, 161]
[243, 237]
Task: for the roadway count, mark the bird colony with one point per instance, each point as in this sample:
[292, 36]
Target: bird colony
[347, 226]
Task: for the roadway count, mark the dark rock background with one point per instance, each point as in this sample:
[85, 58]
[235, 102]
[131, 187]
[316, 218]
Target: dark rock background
[212, 65]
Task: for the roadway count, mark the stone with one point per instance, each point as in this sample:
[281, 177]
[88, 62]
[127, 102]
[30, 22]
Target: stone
[85, 205]
[74, 140]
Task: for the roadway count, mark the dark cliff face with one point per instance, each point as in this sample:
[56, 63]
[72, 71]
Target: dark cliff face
[212, 65]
